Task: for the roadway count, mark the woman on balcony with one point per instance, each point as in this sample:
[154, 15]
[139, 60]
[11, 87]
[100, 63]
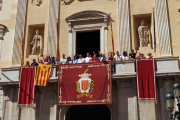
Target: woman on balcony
[124, 56]
[95, 59]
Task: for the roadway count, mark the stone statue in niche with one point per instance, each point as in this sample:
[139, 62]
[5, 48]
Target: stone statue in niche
[144, 35]
[37, 44]
[39, 2]
[0, 5]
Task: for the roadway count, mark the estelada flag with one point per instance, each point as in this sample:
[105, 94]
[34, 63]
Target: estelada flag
[26, 87]
[85, 84]
[43, 73]
[146, 80]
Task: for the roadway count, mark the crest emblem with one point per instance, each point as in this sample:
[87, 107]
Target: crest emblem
[84, 85]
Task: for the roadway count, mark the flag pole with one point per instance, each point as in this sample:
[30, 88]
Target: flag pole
[112, 37]
[22, 47]
[154, 34]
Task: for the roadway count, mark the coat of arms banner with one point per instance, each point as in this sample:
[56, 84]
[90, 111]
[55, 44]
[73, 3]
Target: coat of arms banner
[83, 84]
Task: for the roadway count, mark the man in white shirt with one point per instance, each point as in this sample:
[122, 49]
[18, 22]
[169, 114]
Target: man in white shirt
[88, 58]
[63, 59]
[149, 56]
[117, 57]
[81, 59]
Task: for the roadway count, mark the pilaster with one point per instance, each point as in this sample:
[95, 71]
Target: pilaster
[124, 26]
[163, 28]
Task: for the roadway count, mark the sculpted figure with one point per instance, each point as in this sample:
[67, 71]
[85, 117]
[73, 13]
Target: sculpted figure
[144, 35]
[0, 4]
[141, 30]
[147, 33]
[39, 2]
[37, 44]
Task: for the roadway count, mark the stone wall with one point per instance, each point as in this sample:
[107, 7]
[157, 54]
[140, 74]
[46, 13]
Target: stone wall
[125, 105]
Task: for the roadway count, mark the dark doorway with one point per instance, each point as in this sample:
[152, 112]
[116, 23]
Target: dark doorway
[88, 42]
[88, 112]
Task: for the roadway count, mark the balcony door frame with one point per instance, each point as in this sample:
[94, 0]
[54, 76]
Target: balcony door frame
[87, 21]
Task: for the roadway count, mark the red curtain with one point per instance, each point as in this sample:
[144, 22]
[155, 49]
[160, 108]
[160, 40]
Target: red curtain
[73, 79]
[26, 87]
[146, 83]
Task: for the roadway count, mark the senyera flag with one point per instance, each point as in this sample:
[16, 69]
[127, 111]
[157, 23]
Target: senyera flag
[83, 84]
[43, 73]
[26, 87]
[146, 80]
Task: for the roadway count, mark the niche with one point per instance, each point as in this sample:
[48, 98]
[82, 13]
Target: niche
[137, 23]
[31, 33]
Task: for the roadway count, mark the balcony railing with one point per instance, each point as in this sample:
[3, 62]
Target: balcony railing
[120, 70]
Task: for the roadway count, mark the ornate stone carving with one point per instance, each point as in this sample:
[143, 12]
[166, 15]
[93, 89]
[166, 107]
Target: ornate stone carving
[37, 44]
[2, 28]
[1, 5]
[144, 35]
[67, 1]
[37, 2]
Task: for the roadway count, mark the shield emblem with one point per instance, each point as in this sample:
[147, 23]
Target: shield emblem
[84, 85]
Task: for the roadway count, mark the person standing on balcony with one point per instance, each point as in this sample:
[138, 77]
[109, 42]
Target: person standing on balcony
[81, 59]
[95, 59]
[149, 56]
[27, 64]
[34, 63]
[132, 55]
[124, 57]
[75, 60]
[69, 60]
[100, 56]
[110, 56]
[141, 57]
[104, 58]
[63, 59]
[88, 58]
[117, 57]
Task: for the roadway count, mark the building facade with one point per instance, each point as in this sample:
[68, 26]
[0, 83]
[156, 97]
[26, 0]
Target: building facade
[84, 26]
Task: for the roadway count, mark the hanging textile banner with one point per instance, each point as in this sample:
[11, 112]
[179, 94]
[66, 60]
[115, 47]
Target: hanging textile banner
[83, 84]
[43, 73]
[26, 87]
[146, 80]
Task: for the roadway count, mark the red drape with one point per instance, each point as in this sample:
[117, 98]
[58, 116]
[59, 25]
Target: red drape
[146, 83]
[26, 87]
[73, 78]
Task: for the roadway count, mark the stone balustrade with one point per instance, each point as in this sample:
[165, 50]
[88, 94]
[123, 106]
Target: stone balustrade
[120, 70]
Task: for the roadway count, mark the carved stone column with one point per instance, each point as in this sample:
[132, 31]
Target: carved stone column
[124, 26]
[163, 28]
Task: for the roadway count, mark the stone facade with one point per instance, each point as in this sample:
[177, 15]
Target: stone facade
[76, 16]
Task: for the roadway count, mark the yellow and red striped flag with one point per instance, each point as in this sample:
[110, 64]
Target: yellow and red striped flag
[58, 54]
[22, 47]
[112, 40]
[43, 73]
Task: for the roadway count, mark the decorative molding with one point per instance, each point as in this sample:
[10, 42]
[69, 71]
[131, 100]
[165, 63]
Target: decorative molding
[99, 21]
[2, 28]
[163, 28]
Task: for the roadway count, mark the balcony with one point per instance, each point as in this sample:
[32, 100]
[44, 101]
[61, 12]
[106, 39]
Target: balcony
[120, 70]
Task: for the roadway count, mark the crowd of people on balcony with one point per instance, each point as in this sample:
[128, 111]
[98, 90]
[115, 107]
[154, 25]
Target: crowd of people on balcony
[102, 58]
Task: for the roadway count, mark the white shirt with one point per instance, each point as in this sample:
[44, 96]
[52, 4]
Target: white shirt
[88, 59]
[102, 59]
[81, 60]
[125, 58]
[63, 61]
[149, 58]
[117, 58]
